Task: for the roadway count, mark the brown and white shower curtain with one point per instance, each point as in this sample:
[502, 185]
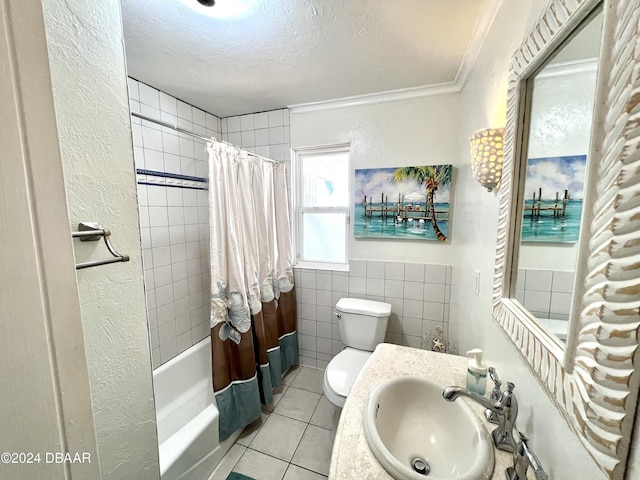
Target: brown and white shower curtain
[253, 304]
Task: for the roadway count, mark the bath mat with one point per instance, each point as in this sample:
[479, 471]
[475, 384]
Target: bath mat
[238, 476]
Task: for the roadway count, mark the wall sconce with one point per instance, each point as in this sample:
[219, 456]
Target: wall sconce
[486, 156]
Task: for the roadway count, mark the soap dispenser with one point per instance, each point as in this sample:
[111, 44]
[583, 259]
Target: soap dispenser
[476, 372]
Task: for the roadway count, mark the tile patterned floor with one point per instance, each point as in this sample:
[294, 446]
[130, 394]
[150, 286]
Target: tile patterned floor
[292, 440]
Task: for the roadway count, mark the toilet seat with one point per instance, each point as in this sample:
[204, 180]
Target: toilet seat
[341, 372]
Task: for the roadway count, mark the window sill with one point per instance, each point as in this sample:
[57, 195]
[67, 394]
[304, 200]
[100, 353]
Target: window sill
[340, 267]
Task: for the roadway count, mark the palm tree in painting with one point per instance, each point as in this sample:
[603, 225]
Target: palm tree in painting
[433, 177]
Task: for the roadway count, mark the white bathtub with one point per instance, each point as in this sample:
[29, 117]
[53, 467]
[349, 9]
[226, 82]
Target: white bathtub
[187, 416]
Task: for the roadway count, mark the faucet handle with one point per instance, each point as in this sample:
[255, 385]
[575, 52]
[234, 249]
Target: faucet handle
[523, 458]
[494, 377]
[495, 396]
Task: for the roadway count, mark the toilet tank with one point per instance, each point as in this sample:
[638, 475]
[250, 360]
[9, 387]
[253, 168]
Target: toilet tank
[363, 323]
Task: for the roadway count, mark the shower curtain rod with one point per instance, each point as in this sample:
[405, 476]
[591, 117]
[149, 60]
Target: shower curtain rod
[186, 132]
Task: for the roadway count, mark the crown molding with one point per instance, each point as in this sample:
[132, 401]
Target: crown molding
[478, 36]
[378, 97]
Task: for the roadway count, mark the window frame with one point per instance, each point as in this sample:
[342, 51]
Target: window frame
[298, 210]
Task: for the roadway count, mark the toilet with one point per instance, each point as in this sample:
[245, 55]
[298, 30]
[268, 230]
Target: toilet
[363, 325]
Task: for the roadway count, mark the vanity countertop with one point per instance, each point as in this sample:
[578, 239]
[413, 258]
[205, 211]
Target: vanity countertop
[351, 457]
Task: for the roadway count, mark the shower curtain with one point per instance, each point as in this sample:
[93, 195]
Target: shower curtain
[253, 302]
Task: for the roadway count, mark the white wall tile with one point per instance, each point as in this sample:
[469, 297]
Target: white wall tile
[563, 282]
[414, 272]
[198, 119]
[560, 303]
[323, 281]
[435, 273]
[261, 120]
[537, 301]
[357, 286]
[262, 137]
[413, 290]
[539, 280]
[132, 86]
[152, 138]
[149, 96]
[184, 111]
[276, 118]
[394, 271]
[394, 288]
[375, 269]
[433, 311]
[233, 124]
[375, 286]
[434, 292]
[412, 309]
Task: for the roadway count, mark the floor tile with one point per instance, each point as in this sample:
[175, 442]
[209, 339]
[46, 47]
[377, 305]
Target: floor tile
[279, 437]
[228, 462]
[296, 473]
[309, 379]
[314, 451]
[324, 413]
[251, 430]
[291, 375]
[298, 404]
[260, 466]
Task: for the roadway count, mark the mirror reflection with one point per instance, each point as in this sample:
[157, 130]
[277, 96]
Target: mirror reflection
[559, 118]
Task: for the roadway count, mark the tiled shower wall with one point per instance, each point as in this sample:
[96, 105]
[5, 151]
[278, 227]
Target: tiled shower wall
[418, 293]
[264, 133]
[545, 293]
[174, 220]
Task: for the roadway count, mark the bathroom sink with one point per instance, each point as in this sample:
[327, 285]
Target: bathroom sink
[410, 429]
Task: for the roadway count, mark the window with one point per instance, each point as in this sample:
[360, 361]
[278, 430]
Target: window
[321, 206]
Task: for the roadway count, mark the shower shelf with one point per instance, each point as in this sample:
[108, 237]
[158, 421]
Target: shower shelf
[91, 232]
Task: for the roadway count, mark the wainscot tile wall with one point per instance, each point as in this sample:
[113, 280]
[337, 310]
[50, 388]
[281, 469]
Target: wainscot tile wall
[418, 293]
[545, 293]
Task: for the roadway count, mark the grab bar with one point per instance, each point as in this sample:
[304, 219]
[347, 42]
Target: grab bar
[91, 232]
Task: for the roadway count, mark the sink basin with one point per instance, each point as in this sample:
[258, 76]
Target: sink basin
[406, 418]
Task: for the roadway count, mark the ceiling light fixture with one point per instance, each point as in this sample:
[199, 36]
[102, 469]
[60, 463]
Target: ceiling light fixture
[487, 156]
[219, 8]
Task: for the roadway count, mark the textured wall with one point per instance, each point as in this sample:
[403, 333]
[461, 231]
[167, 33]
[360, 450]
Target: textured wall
[89, 84]
[483, 103]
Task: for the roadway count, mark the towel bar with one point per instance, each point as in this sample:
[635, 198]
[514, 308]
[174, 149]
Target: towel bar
[91, 232]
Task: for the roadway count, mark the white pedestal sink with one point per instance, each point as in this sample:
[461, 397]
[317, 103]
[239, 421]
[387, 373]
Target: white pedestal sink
[410, 428]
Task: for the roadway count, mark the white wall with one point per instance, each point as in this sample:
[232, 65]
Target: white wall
[403, 133]
[90, 92]
[483, 104]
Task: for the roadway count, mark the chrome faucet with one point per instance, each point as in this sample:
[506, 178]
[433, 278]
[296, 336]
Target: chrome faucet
[506, 409]
[524, 457]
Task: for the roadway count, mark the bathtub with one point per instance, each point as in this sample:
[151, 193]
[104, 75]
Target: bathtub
[187, 416]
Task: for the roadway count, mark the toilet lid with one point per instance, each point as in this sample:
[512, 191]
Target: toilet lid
[344, 368]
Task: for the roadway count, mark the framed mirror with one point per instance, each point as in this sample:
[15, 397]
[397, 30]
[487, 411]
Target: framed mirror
[593, 379]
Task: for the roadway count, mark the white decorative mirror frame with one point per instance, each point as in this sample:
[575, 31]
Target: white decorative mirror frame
[594, 382]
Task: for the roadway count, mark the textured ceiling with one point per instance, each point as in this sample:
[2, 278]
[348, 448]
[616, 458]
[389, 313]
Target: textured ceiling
[285, 52]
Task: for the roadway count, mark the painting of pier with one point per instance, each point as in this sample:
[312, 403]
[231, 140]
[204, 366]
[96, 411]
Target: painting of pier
[553, 199]
[403, 202]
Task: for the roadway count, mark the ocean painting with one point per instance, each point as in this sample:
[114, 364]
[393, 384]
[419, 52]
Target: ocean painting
[553, 199]
[410, 203]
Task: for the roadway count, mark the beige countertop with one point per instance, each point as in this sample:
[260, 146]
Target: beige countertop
[351, 457]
